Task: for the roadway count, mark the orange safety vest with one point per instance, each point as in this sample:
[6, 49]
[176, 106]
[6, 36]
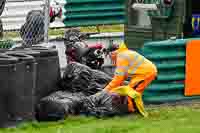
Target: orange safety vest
[130, 63]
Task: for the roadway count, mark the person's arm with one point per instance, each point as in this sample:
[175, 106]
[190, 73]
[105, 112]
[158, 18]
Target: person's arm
[119, 76]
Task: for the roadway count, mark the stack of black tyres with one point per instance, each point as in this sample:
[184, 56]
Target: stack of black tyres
[14, 100]
[21, 105]
[36, 74]
[27, 75]
[47, 71]
[7, 72]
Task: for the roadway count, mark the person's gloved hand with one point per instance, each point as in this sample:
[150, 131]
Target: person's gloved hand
[128, 91]
[116, 98]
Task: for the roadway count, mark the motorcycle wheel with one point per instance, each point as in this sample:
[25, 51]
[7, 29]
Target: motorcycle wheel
[2, 5]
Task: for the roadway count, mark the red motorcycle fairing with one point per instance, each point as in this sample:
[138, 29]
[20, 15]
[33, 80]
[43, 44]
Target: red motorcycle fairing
[96, 46]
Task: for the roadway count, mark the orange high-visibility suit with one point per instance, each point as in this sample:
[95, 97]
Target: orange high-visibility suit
[130, 64]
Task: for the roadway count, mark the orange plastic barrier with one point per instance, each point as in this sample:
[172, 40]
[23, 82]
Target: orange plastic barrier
[192, 81]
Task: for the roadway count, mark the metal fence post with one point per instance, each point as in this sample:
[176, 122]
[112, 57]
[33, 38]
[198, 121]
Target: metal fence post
[46, 20]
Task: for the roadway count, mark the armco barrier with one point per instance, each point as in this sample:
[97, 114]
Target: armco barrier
[93, 12]
[169, 57]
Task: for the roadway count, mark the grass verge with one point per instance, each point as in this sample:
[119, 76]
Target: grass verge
[60, 32]
[166, 119]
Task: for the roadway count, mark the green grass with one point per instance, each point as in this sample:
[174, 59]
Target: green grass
[179, 119]
[103, 28]
[60, 32]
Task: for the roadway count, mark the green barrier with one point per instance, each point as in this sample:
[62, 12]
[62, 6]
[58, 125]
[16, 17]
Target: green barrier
[89, 22]
[167, 43]
[86, 8]
[89, 1]
[166, 55]
[160, 87]
[169, 57]
[170, 64]
[167, 98]
[165, 93]
[93, 12]
[171, 77]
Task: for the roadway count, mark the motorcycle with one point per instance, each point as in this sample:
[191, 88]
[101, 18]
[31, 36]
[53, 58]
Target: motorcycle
[77, 50]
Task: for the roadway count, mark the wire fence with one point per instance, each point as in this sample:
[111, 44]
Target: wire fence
[34, 21]
[25, 20]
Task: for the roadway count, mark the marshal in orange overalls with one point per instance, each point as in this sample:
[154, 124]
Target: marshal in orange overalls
[130, 64]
